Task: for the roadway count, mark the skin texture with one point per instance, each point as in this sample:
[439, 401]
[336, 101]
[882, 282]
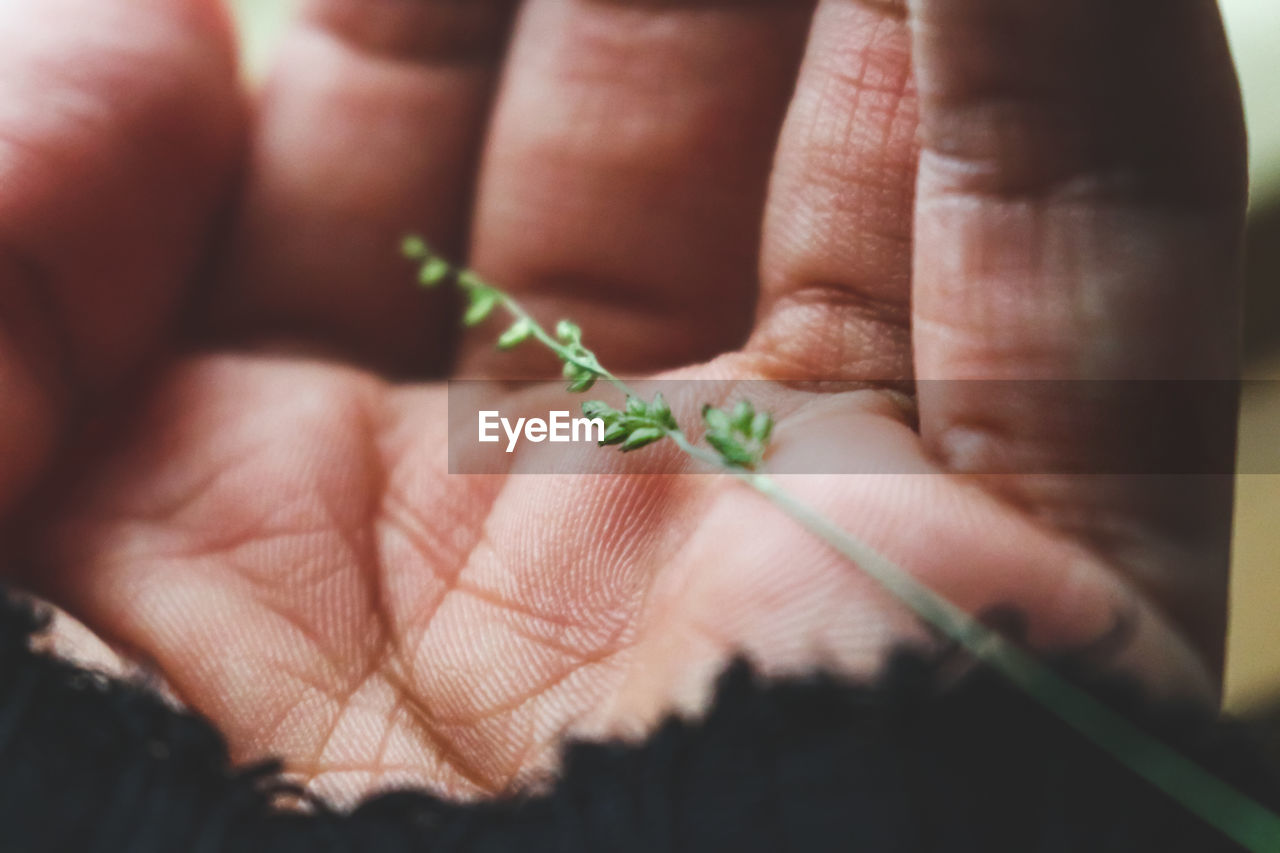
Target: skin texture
[224, 435]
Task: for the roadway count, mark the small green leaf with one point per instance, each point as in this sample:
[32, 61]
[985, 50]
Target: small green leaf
[615, 434]
[568, 332]
[762, 427]
[433, 271]
[642, 437]
[743, 413]
[637, 408]
[519, 332]
[483, 301]
[415, 248]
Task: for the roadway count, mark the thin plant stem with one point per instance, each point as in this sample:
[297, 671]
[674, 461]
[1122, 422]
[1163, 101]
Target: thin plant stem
[1236, 815]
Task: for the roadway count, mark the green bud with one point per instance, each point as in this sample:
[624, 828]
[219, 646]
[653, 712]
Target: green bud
[637, 408]
[762, 427]
[615, 434]
[600, 409]
[730, 450]
[583, 381]
[415, 248]
[742, 416]
[568, 332]
[468, 280]
[483, 301]
[716, 419]
[580, 378]
[519, 332]
[433, 271]
[642, 437]
[661, 412]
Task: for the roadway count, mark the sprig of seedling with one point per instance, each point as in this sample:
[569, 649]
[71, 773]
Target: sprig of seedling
[740, 438]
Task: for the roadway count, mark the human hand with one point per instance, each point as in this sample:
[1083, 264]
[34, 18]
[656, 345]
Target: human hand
[207, 461]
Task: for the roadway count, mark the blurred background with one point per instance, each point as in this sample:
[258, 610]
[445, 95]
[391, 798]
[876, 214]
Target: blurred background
[1253, 666]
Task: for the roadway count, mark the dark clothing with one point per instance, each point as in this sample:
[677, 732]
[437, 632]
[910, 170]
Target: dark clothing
[89, 765]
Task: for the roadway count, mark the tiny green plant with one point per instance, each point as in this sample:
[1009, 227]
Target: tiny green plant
[739, 436]
[739, 439]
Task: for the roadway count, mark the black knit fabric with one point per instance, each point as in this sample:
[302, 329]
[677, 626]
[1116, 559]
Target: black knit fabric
[88, 765]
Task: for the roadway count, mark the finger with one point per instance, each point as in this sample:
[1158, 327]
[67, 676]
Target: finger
[625, 173]
[836, 266]
[118, 126]
[1078, 217]
[369, 128]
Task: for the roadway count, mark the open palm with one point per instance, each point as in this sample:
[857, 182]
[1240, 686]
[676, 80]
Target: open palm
[224, 449]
